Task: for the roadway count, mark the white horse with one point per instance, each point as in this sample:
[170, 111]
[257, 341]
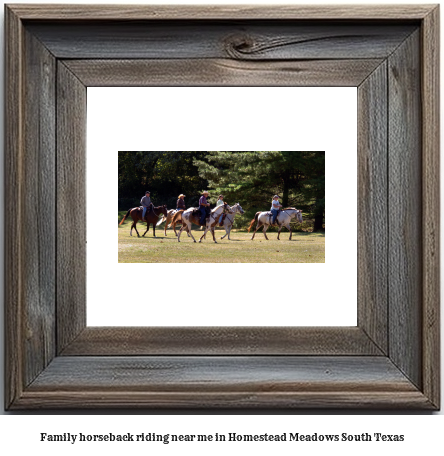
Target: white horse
[229, 219]
[283, 219]
[188, 219]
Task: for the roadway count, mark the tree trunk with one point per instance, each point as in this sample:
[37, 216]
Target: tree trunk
[319, 215]
[319, 219]
[285, 193]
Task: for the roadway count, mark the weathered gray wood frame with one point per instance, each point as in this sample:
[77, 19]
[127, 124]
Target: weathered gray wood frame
[390, 360]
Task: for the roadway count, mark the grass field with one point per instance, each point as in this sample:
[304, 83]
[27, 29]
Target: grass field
[303, 248]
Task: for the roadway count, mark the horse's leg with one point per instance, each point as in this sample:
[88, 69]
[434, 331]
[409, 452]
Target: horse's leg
[154, 229]
[226, 232]
[289, 228]
[279, 231]
[254, 232]
[214, 237]
[258, 226]
[147, 228]
[229, 231]
[265, 231]
[203, 235]
[189, 231]
[212, 232]
[135, 227]
[166, 224]
[180, 232]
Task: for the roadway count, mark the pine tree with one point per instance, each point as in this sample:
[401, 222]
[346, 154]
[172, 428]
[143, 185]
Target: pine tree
[252, 178]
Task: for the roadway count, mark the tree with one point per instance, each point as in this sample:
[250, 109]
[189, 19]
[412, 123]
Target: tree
[254, 177]
[165, 174]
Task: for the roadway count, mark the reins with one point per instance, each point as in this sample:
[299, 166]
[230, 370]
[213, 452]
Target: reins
[154, 210]
[233, 213]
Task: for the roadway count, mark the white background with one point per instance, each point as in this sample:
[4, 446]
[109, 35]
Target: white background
[222, 118]
[22, 432]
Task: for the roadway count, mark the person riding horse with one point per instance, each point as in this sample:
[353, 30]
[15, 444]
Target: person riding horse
[146, 203]
[220, 201]
[275, 206]
[180, 205]
[204, 207]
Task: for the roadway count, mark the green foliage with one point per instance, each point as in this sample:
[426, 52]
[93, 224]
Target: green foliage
[164, 174]
[252, 178]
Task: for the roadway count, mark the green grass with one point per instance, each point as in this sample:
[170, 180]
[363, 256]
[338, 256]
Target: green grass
[303, 248]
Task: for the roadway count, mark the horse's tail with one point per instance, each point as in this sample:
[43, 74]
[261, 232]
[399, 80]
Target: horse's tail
[253, 221]
[176, 218]
[126, 215]
[161, 221]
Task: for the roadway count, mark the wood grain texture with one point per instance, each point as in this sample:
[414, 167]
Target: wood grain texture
[258, 40]
[431, 205]
[220, 12]
[13, 204]
[127, 341]
[221, 72]
[38, 216]
[405, 209]
[372, 207]
[233, 382]
[71, 206]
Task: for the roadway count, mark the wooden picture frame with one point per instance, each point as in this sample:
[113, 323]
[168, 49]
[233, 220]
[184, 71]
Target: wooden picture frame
[390, 360]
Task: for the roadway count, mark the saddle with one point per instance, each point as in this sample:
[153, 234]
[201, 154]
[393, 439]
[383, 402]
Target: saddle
[270, 218]
[223, 219]
[148, 210]
[196, 213]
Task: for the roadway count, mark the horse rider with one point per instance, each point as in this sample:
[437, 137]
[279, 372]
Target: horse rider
[220, 202]
[180, 205]
[275, 206]
[204, 207]
[146, 203]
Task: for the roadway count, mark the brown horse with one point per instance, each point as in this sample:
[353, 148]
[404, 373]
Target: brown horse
[150, 217]
[169, 220]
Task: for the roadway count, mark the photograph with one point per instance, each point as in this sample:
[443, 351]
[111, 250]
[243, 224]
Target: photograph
[235, 203]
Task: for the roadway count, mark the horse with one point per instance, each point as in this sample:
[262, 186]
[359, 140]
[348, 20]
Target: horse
[151, 217]
[168, 220]
[229, 219]
[283, 219]
[188, 218]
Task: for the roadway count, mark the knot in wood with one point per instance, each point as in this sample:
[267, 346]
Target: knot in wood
[239, 46]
